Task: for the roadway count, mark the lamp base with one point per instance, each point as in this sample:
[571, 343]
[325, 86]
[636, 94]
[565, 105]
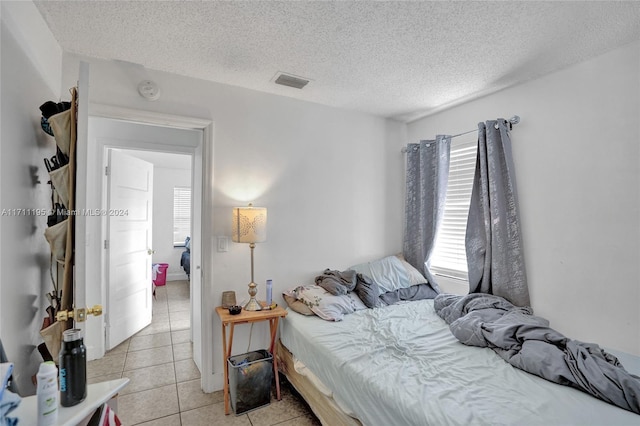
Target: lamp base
[252, 305]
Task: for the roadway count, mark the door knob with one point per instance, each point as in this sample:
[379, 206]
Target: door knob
[79, 314]
[150, 251]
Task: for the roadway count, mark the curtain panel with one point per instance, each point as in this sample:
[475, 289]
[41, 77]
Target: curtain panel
[426, 190]
[493, 241]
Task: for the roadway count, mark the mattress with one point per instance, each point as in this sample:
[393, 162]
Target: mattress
[400, 365]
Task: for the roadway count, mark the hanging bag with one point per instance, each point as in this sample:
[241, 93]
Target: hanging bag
[56, 235]
[61, 126]
[60, 180]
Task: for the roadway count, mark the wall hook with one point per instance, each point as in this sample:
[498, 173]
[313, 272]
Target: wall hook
[35, 179]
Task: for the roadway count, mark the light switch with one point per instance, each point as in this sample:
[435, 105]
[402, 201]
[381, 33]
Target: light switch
[223, 244]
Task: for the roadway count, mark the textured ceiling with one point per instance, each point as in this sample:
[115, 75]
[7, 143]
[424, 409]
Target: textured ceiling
[393, 59]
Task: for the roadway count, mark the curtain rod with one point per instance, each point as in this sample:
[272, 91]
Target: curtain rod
[513, 120]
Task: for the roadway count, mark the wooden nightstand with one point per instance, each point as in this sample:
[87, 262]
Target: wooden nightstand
[246, 317]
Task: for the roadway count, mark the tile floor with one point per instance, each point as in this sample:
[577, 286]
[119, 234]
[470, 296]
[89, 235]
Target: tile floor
[164, 387]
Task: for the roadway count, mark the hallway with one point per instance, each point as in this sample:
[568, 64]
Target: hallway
[164, 387]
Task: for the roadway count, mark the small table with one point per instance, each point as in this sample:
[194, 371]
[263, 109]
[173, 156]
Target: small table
[246, 317]
[97, 394]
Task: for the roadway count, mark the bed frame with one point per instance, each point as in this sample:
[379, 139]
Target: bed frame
[324, 407]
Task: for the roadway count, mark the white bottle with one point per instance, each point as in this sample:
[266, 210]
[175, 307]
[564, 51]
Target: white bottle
[47, 393]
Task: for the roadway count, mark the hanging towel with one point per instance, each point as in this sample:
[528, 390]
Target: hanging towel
[156, 271]
[6, 369]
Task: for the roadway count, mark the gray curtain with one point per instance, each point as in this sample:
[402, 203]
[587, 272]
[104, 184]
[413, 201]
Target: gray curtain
[427, 175]
[493, 240]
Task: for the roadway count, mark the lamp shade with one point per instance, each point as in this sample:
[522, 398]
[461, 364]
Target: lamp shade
[249, 224]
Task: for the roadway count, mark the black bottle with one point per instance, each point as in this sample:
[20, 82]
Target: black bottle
[73, 368]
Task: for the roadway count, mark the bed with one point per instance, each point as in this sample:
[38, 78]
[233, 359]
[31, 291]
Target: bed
[401, 365]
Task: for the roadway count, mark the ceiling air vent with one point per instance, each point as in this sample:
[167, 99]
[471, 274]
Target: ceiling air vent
[291, 81]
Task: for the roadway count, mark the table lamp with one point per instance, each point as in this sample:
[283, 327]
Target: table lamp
[250, 226]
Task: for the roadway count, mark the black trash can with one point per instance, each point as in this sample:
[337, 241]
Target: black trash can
[250, 377]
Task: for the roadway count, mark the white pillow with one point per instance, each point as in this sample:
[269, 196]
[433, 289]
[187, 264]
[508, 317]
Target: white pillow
[389, 273]
[324, 304]
[415, 276]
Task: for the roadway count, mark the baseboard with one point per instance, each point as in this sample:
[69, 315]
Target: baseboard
[176, 276]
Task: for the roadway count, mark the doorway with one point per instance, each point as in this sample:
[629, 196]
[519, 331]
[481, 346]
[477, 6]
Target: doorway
[117, 133]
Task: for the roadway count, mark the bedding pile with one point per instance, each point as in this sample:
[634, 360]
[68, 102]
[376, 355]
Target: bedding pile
[382, 282]
[528, 343]
[337, 282]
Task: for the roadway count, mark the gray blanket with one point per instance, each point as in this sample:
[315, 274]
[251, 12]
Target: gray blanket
[414, 292]
[337, 282]
[528, 343]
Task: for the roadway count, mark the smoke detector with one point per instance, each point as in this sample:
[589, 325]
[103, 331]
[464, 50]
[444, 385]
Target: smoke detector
[290, 80]
[149, 90]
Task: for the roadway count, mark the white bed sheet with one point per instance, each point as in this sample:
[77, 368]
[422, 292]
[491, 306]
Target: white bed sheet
[400, 365]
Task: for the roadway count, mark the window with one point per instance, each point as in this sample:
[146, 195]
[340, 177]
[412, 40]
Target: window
[449, 255]
[181, 215]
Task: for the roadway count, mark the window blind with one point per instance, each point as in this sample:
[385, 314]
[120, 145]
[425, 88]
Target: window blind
[181, 214]
[449, 255]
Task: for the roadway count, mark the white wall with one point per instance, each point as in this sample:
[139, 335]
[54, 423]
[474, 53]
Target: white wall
[577, 162]
[24, 253]
[332, 180]
[164, 179]
[36, 41]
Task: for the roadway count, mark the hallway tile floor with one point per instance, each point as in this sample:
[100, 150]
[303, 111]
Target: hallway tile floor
[164, 387]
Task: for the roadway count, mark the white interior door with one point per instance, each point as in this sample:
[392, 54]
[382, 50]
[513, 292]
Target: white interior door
[129, 246]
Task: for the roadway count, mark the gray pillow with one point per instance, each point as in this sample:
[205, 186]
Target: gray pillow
[389, 273]
[368, 291]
